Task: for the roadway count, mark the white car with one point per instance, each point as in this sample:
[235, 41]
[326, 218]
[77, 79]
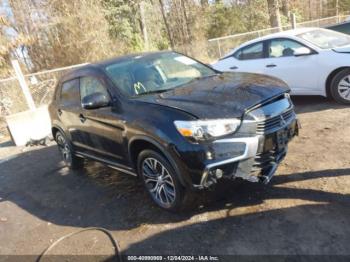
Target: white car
[312, 61]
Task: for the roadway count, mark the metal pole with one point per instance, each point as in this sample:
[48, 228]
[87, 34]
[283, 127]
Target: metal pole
[293, 20]
[337, 10]
[219, 47]
[23, 84]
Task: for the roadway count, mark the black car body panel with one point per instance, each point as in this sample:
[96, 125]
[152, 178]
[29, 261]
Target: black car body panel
[237, 92]
[115, 134]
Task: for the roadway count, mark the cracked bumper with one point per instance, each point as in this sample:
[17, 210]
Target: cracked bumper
[259, 160]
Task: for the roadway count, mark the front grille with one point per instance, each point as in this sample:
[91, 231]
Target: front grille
[263, 162]
[274, 123]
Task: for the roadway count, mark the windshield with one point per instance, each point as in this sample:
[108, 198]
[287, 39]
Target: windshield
[326, 39]
[155, 73]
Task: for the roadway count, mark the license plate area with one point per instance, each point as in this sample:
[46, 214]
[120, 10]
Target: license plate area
[279, 140]
[282, 139]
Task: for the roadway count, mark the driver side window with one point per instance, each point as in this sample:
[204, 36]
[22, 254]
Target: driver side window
[90, 85]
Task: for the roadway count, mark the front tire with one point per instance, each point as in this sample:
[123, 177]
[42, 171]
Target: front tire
[67, 152]
[161, 181]
[340, 87]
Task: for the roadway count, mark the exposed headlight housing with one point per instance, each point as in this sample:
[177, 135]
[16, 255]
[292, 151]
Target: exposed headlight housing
[206, 129]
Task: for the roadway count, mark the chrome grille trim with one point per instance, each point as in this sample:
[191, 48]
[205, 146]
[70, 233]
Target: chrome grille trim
[271, 124]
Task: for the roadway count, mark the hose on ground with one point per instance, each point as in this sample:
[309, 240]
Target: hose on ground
[105, 231]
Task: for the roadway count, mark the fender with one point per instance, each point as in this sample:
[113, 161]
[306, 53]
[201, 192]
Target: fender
[161, 148]
[57, 127]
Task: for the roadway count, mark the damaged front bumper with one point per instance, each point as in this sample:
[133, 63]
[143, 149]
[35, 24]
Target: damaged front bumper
[259, 160]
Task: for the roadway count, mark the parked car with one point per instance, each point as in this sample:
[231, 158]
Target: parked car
[312, 61]
[341, 27]
[176, 123]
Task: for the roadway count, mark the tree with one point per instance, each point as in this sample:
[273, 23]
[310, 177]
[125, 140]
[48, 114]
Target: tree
[285, 7]
[274, 13]
[166, 23]
[63, 32]
[10, 46]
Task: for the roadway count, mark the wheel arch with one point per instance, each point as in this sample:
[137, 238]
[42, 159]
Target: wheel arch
[55, 129]
[140, 143]
[330, 78]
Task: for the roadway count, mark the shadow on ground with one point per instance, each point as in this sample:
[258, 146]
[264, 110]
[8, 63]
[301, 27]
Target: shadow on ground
[307, 104]
[37, 182]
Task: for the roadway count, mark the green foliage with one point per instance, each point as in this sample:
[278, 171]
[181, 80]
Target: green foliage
[123, 20]
[236, 18]
[344, 6]
[65, 32]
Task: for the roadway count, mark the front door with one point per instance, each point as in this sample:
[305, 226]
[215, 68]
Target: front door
[69, 109]
[102, 128]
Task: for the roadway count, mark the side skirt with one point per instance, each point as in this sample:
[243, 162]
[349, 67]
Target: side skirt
[111, 164]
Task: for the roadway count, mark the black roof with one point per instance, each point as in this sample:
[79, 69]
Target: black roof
[129, 56]
[99, 65]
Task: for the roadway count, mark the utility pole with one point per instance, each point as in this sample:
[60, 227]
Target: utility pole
[293, 20]
[23, 84]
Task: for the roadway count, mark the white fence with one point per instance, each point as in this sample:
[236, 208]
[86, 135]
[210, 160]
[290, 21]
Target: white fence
[222, 45]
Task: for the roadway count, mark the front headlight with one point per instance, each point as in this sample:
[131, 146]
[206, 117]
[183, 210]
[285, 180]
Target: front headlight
[206, 129]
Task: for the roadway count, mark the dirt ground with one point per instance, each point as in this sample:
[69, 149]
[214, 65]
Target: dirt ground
[305, 209]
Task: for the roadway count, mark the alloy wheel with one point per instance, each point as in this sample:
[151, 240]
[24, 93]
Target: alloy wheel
[64, 149]
[159, 182]
[344, 87]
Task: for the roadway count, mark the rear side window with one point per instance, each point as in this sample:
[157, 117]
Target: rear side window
[90, 85]
[70, 93]
[255, 51]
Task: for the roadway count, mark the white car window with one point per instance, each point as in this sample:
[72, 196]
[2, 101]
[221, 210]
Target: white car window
[283, 47]
[326, 39]
[254, 51]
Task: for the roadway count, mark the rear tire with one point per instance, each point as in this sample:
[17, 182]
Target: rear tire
[340, 87]
[67, 152]
[161, 182]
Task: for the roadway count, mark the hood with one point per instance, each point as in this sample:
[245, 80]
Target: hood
[222, 96]
[343, 49]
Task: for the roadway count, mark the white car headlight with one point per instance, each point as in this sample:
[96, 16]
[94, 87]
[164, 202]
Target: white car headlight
[204, 129]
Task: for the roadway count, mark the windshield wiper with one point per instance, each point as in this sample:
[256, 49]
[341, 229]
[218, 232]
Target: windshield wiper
[159, 91]
[198, 78]
[154, 92]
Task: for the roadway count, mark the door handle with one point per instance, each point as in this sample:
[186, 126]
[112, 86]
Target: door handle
[59, 111]
[271, 65]
[82, 118]
[234, 67]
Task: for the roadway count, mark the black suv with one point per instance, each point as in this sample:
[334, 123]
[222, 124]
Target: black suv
[176, 123]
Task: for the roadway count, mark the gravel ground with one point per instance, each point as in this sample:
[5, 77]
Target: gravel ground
[304, 210]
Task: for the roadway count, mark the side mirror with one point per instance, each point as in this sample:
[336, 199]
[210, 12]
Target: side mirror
[302, 51]
[95, 100]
